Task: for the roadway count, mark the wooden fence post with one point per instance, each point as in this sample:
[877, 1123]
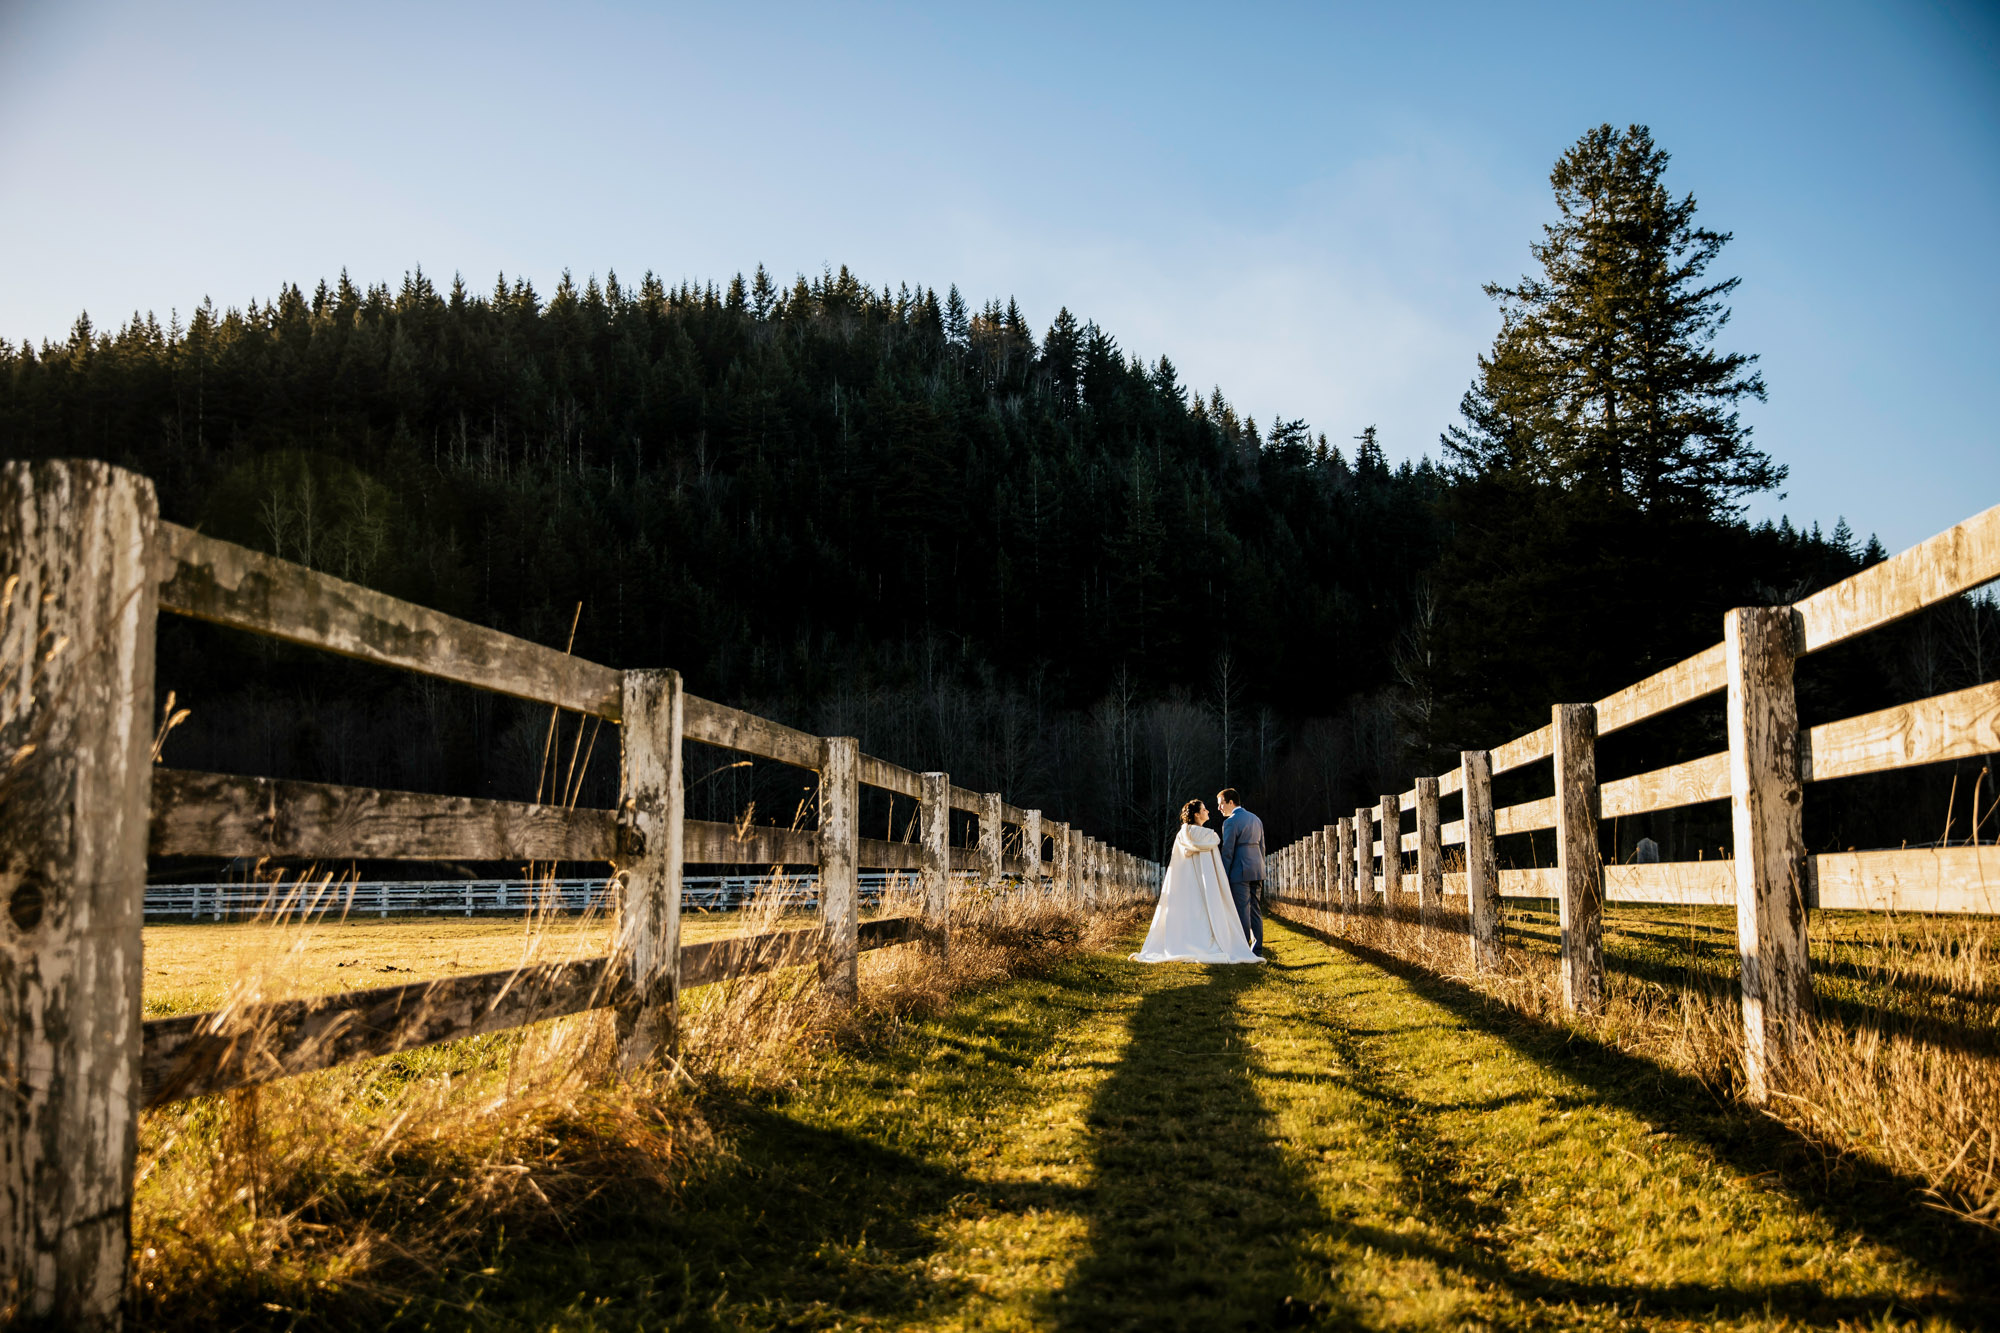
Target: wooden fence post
[1031, 852]
[1430, 854]
[650, 796]
[1060, 870]
[934, 832]
[1364, 858]
[1765, 799]
[839, 873]
[1482, 875]
[1392, 852]
[1329, 867]
[1343, 881]
[1079, 869]
[990, 865]
[78, 606]
[1579, 867]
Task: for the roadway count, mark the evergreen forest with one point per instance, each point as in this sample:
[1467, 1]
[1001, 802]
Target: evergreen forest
[1033, 558]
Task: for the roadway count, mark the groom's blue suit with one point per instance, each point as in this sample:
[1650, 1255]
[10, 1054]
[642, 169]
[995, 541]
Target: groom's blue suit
[1242, 853]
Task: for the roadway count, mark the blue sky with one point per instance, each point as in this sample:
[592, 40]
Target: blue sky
[1298, 203]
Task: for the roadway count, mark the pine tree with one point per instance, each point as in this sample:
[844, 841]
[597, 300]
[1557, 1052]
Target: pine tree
[763, 294]
[1604, 377]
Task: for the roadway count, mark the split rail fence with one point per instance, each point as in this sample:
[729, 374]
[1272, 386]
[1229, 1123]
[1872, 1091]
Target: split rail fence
[87, 565]
[1352, 865]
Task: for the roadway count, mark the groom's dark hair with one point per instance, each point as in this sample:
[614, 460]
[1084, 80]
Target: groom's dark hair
[1228, 794]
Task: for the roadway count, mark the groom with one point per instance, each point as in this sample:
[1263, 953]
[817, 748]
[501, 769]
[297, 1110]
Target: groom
[1242, 853]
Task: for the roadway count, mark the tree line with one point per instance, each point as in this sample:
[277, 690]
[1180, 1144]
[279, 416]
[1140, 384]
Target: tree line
[1040, 562]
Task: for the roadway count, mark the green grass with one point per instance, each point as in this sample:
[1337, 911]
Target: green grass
[1331, 1140]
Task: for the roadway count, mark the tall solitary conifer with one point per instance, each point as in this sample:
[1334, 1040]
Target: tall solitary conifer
[1604, 378]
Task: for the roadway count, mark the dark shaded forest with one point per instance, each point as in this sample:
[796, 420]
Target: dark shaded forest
[1038, 562]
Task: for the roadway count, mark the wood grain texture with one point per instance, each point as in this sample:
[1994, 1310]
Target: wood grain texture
[1430, 853]
[891, 777]
[219, 814]
[1031, 847]
[1364, 855]
[1343, 879]
[934, 870]
[231, 585]
[1329, 868]
[1961, 725]
[1955, 561]
[646, 939]
[1545, 882]
[733, 729]
[1390, 812]
[881, 854]
[710, 842]
[971, 802]
[1524, 817]
[1687, 883]
[78, 543]
[990, 867]
[1914, 879]
[1765, 808]
[839, 882]
[1524, 750]
[1682, 683]
[1697, 780]
[1580, 870]
[1482, 879]
[1452, 782]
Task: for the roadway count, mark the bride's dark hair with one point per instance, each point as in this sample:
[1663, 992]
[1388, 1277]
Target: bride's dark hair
[1187, 811]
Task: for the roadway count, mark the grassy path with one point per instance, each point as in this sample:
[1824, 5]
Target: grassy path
[1320, 1142]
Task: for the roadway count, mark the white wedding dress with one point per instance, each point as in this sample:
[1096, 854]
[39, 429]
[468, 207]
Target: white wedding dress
[1196, 920]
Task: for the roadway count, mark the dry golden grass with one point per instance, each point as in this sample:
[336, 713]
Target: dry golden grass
[1901, 1064]
[350, 1189]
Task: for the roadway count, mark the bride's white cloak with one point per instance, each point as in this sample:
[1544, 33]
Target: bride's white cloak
[1196, 919]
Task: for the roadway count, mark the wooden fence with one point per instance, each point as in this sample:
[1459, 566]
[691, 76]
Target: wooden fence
[87, 565]
[1771, 879]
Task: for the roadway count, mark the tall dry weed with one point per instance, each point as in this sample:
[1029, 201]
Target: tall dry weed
[350, 1189]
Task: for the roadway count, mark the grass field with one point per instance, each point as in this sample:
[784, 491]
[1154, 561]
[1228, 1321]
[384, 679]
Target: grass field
[1331, 1140]
[191, 967]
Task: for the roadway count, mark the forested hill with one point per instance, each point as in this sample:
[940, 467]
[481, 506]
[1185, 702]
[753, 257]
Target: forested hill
[769, 489]
[870, 512]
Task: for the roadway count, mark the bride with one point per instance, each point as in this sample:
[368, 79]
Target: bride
[1196, 921]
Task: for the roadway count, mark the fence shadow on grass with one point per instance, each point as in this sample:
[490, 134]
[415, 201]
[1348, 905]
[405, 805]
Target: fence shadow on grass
[1196, 1216]
[1861, 1197]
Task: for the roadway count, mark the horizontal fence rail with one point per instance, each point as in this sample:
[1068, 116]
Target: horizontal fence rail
[1357, 864]
[86, 566]
[517, 897]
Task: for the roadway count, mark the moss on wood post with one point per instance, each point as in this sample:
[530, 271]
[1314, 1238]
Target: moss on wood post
[1482, 873]
[1031, 853]
[839, 875]
[647, 944]
[77, 612]
[934, 836]
[1765, 799]
[1579, 868]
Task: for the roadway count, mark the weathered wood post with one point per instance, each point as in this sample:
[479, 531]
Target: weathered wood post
[1482, 874]
[1079, 869]
[1329, 866]
[1579, 868]
[839, 872]
[1059, 844]
[1031, 852]
[77, 614]
[1364, 858]
[647, 948]
[1343, 881]
[934, 855]
[991, 867]
[1391, 813]
[1430, 854]
[1765, 802]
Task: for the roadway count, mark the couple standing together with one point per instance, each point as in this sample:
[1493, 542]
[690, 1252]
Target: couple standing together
[1208, 911]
